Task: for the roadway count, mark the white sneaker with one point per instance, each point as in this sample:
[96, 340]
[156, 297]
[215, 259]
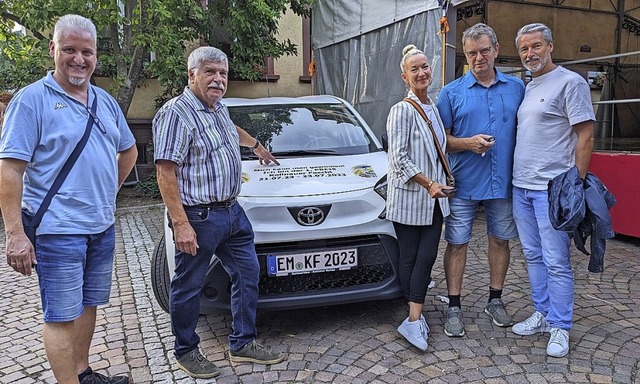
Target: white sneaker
[425, 326]
[536, 323]
[558, 345]
[414, 332]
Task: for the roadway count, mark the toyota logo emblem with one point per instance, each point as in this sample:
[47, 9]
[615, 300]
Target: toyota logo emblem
[310, 216]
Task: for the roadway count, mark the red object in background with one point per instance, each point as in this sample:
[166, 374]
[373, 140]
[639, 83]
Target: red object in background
[620, 173]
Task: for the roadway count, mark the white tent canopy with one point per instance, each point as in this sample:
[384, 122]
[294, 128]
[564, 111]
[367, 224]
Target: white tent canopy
[358, 47]
[338, 20]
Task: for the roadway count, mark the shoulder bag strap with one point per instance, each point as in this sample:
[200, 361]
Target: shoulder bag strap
[66, 168]
[443, 159]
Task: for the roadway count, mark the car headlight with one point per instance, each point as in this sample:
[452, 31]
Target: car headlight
[381, 189]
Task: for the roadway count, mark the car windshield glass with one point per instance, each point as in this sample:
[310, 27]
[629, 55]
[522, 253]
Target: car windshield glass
[303, 129]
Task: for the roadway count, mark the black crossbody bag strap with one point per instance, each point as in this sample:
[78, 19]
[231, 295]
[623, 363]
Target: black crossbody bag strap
[66, 168]
[443, 159]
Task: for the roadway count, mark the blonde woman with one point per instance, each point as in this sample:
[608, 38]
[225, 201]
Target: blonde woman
[417, 194]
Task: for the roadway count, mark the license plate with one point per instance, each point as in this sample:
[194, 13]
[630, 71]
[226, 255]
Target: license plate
[322, 261]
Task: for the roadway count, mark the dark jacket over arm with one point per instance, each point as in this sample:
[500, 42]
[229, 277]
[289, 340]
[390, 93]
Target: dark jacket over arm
[581, 208]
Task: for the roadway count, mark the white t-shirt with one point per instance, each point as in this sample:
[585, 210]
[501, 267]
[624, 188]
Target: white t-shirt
[545, 139]
[431, 114]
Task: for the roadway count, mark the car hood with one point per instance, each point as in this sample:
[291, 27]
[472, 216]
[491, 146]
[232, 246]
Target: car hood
[310, 176]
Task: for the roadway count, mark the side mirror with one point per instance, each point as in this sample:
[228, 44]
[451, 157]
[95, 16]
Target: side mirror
[385, 142]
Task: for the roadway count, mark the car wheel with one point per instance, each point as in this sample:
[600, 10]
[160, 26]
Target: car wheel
[160, 275]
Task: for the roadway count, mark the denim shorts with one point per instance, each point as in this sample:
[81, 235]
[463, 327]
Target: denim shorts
[499, 214]
[74, 271]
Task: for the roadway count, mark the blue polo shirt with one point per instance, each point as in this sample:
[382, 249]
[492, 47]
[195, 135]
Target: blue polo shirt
[468, 108]
[42, 127]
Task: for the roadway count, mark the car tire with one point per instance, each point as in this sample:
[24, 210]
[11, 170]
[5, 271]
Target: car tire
[160, 279]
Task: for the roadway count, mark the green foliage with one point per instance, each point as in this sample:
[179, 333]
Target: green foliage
[22, 60]
[253, 24]
[149, 187]
[128, 35]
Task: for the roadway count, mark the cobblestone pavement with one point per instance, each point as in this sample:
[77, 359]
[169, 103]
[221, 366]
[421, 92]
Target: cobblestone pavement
[345, 344]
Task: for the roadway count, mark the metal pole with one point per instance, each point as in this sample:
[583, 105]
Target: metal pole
[600, 58]
[619, 101]
[583, 60]
[444, 55]
[444, 29]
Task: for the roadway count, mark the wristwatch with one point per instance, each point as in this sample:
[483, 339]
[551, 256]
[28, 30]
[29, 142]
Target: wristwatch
[256, 145]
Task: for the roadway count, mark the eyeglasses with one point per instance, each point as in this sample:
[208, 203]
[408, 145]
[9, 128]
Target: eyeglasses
[474, 54]
[97, 121]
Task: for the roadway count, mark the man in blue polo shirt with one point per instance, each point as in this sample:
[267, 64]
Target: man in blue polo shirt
[74, 246]
[479, 114]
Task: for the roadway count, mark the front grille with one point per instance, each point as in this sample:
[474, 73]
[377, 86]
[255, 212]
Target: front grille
[374, 267]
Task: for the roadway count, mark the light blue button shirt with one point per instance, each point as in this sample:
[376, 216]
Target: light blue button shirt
[468, 108]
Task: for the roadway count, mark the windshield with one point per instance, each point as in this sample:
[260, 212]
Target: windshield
[303, 129]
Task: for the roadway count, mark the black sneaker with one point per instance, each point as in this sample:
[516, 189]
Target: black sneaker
[255, 353]
[90, 377]
[197, 365]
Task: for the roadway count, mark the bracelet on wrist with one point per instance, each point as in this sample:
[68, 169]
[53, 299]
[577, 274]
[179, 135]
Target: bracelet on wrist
[429, 185]
[256, 145]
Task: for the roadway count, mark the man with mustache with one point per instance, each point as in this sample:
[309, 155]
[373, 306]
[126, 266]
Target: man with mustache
[555, 132]
[479, 113]
[74, 244]
[197, 155]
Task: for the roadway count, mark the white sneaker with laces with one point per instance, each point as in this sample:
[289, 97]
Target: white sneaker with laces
[425, 326]
[558, 345]
[536, 323]
[414, 332]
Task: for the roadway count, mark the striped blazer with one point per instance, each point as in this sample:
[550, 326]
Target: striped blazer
[412, 151]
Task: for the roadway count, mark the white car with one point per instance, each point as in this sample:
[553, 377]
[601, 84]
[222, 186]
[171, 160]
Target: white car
[320, 233]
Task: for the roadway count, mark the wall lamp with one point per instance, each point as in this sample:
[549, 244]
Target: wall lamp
[468, 12]
[477, 9]
[631, 24]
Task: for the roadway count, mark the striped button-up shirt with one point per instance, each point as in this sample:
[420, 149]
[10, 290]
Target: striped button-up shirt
[204, 143]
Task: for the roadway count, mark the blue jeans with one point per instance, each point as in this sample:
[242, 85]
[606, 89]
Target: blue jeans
[227, 233]
[548, 259]
[74, 271]
[498, 212]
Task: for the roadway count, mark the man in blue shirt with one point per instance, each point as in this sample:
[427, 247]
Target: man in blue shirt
[479, 114]
[75, 241]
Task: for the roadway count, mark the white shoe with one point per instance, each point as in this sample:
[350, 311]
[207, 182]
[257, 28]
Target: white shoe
[426, 329]
[536, 323]
[558, 345]
[414, 332]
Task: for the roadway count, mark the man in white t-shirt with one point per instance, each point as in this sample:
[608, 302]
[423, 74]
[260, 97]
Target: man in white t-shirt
[555, 132]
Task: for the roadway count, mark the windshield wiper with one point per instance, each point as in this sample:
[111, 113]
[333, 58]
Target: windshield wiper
[302, 152]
